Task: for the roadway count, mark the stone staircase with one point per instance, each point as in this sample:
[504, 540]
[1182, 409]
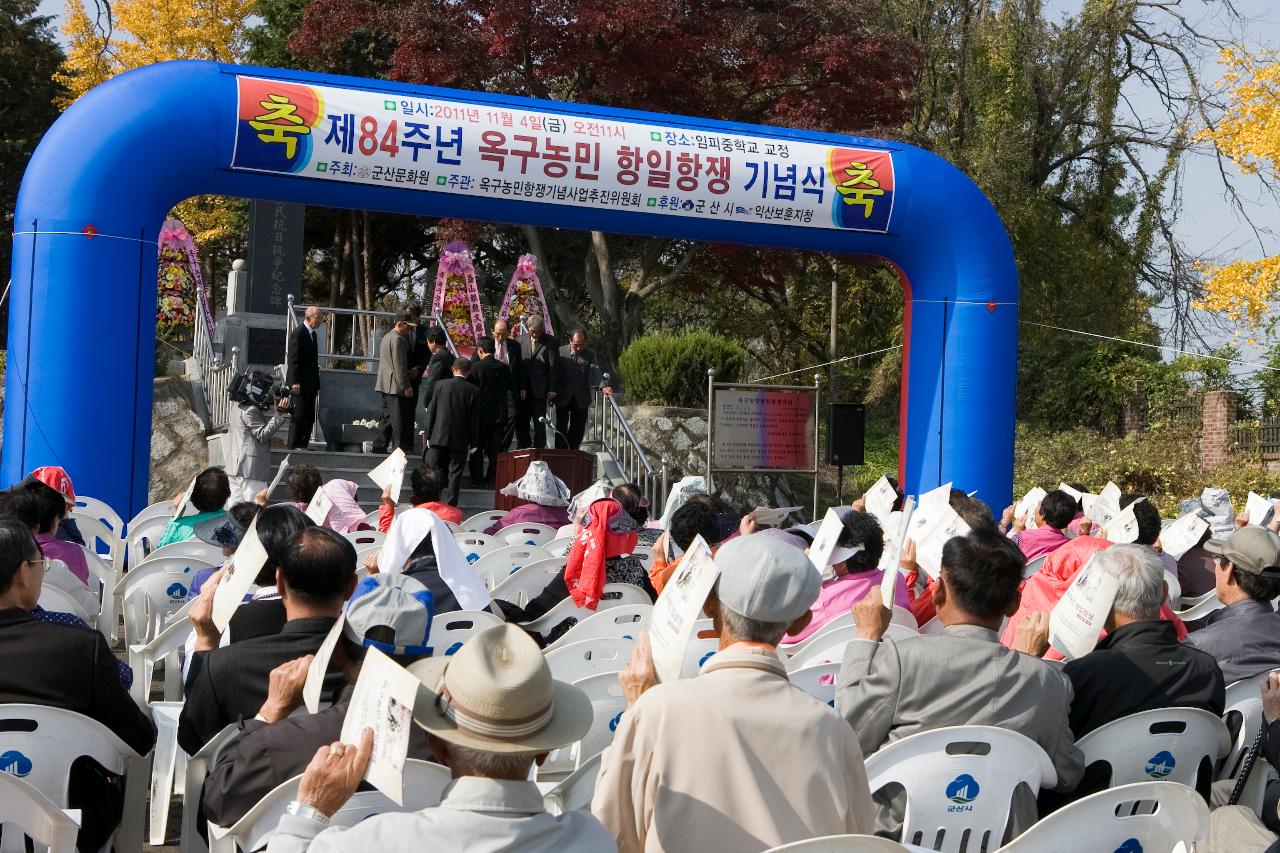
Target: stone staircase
[356, 467]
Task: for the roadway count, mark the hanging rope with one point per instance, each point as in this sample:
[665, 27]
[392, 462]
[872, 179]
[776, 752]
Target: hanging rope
[829, 363]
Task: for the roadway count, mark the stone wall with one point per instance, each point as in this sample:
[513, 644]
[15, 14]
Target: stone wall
[178, 447]
[680, 437]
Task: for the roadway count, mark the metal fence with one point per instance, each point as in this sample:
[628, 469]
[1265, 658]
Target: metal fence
[617, 440]
[1263, 438]
[346, 351]
[214, 375]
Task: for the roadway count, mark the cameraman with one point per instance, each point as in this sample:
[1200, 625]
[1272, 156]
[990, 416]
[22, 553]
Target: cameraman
[250, 430]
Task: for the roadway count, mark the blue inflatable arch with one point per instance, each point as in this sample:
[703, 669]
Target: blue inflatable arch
[83, 300]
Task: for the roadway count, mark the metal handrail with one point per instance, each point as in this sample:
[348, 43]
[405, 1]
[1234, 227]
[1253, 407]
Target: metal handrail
[619, 441]
[215, 375]
[293, 319]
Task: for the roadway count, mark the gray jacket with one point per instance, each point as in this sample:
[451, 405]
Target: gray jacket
[1243, 638]
[250, 433]
[393, 364]
[963, 677]
[477, 815]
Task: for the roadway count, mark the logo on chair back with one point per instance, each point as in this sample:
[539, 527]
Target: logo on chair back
[15, 763]
[1160, 765]
[962, 791]
[1131, 845]
[176, 591]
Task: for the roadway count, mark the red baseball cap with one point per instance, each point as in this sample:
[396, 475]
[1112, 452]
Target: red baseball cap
[58, 480]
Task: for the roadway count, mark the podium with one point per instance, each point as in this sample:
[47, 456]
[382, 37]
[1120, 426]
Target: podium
[576, 467]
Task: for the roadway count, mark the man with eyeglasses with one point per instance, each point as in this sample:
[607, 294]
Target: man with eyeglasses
[62, 666]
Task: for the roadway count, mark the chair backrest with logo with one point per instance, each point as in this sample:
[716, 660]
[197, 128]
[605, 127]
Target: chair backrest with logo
[1166, 744]
[1144, 816]
[450, 630]
[960, 783]
[526, 534]
[584, 659]
[153, 592]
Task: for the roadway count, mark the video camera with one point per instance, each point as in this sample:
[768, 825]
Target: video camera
[257, 389]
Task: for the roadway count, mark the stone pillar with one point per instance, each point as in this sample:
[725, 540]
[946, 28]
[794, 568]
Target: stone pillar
[1217, 417]
[1135, 411]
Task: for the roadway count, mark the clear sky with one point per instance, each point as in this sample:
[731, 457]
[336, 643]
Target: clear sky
[1208, 225]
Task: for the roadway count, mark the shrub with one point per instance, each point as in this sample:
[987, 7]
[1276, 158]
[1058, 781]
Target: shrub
[671, 370]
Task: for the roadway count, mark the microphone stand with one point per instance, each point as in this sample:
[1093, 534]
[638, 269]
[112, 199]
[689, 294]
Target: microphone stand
[546, 421]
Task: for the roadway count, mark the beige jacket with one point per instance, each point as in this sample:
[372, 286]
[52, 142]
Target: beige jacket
[393, 364]
[735, 759]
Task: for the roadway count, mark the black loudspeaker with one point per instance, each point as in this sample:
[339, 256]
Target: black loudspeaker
[846, 434]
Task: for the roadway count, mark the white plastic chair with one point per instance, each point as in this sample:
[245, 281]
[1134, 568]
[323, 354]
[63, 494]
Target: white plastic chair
[59, 601]
[626, 621]
[450, 630]
[1204, 605]
[574, 793]
[195, 770]
[97, 534]
[193, 549]
[841, 844]
[899, 616]
[600, 656]
[159, 509]
[818, 680]
[497, 565]
[698, 652]
[103, 579]
[40, 743]
[526, 534]
[613, 595]
[24, 807]
[152, 593]
[1034, 566]
[559, 547]
[830, 646]
[364, 538]
[607, 704]
[475, 545]
[482, 521]
[1174, 592]
[99, 510]
[1156, 815]
[1165, 744]
[424, 784]
[958, 800]
[523, 586]
[164, 764]
[143, 535]
[163, 647]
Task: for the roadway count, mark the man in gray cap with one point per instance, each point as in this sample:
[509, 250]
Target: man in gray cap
[1244, 637]
[737, 758]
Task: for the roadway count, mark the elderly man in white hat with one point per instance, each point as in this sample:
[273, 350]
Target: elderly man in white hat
[489, 711]
[737, 758]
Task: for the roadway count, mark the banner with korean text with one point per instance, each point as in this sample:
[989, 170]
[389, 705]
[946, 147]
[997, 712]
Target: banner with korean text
[347, 135]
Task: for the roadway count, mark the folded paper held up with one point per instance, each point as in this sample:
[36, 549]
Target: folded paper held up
[390, 472]
[1076, 621]
[678, 608]
[238, 577]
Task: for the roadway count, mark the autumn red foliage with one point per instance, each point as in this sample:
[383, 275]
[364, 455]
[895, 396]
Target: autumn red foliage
[815, 64]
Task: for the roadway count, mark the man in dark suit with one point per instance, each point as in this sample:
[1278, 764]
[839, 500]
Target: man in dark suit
[419, 353]
[316, 576]
[497, 413]
[302, 375]
[453, 427]
[540, 366]
[509, 353]
[578, 375]
[440, 366]
[63, 666]
[394, 384]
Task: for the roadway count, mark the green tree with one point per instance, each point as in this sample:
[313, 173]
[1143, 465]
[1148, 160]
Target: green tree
[29, 56]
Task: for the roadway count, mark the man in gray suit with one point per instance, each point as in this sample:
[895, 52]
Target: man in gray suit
[889, 690]
[394, 383]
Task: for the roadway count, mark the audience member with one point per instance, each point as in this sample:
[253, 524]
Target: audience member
[55, 499]
[889, 689]
[972, 512]
[263, 613]
[546, 498]
[490, 711]
[602, 553]
[426, 484]
[452, 427]
[61, 666]
[703, 515]
[1244, 637]
[301, 484]
[1139, 665]
[854, 563]
[1052, 516]
[224, 532]
[415, 532]
[346, 515]
[391, 613]
[636, 505]
[736, 758]
[209, 495]
[1197, 569]
[315, 577]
